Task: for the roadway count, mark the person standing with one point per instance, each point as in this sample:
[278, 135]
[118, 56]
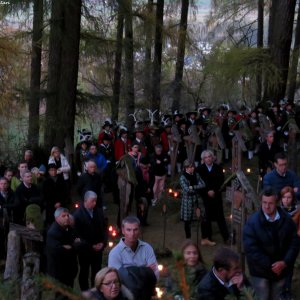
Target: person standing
[213, 177]
[191, 184]
[90, 227]
[271, 246]
[60, 247]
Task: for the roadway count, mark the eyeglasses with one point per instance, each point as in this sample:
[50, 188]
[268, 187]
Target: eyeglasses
[111, 283]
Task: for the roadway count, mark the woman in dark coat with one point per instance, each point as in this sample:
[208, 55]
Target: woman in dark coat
[191, 183]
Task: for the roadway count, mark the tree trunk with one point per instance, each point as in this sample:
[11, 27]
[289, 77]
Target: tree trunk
[35, 80]
[62, 72]
[159, 23]
[148, 47]
[294, 62]
[69, 73]
[118, 66]
[180, 54]
[54, 67]
[280, 43]
[129, 69]
[260, 44]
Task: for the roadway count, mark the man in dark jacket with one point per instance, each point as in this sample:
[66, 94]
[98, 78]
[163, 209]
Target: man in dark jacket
[54, 191]
[212, 175]
[61, 255]
[271, 245]
[225, 278]
[281, 177]
[90, 227]
[90, 181]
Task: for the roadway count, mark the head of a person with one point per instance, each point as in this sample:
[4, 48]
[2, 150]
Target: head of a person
[83, 145]
[55, 152]
[270, 137]
[287, 196]
[93, 149]
[269, 201]
[108, 282]
[158, 149]
[27, 177]
[62, 216]
[135, 148]
[191, 253]
[281, 163]
[207, 157]
[28, 155]
[131, 230]
[227, 263]
[3, 184]
[8, 174]
[52, 170]
[139, 134]
[90, 200]
[188, 166]
[22, 166]
[91, 167]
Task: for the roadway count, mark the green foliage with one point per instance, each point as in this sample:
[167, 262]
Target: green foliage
[9, 290]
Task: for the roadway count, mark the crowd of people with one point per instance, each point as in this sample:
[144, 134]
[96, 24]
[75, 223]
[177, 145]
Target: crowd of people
[75, 241]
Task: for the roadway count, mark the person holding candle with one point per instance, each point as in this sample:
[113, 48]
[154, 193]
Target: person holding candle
[191, 185]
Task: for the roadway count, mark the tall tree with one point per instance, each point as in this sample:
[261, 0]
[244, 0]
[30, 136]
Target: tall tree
[148, 47]
[35, 80]
[54, 68]
[118, 64]
[294, 61]
[260, 44]
[129, 68]
[62, 73]
[180, 54]
[159, 22]
[281, 22]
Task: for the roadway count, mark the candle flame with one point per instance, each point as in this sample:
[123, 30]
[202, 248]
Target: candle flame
[175, 194]
[110, 228]
[110, 244]
[170, 191]
[159, 292]
[76, 205]
[160, 267]
[248, 170]
[114, 233]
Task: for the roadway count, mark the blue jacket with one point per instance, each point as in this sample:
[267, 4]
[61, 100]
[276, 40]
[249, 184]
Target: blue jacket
[278, 182]
[265, 244]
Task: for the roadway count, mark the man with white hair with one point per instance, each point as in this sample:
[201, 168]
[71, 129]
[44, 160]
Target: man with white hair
[90, 227]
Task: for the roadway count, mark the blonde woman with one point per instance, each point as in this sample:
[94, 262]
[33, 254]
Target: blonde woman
[61, 162]
[108, 287]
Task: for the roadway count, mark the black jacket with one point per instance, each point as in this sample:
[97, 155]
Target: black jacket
[88, 182]
[267, 242]
[61, 262]
[91, 231]
[209, 288]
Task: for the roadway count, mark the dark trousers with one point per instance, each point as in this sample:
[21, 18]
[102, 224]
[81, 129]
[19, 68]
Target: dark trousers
[88, 260]
[206, 228]
[187, 229]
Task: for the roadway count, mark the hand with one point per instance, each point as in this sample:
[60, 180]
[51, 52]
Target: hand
[98, 247]
[153, 267]
[67, 247]
[211, 194]
[295, 189]
[238, 280]
[158, 161]
[278, 267]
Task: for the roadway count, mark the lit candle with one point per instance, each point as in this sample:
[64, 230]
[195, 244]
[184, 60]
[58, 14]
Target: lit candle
[170, 191]
[230, 217]
[224, 170]
[110, 228]
[76, 205]
[175, 195]
[114, 233]
[110, 244]
[159, 292]
[160, 267]
[248, 170]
